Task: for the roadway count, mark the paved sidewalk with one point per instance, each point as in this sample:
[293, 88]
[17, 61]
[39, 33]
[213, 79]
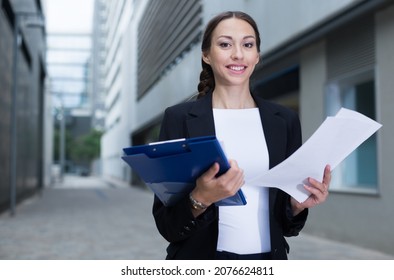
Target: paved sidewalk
[308, 247]
[93, 218]
[82, 218]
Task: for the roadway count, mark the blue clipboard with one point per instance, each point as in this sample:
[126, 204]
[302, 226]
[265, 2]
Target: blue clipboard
[171, 168]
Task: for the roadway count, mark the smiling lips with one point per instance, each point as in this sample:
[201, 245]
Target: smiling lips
[237, 68]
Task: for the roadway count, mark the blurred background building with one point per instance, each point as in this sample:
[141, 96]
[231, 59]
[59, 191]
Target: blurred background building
[141, 56]
[24, 114]
[113, 79]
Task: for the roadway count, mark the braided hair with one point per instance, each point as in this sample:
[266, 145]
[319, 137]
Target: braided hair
[207, 79]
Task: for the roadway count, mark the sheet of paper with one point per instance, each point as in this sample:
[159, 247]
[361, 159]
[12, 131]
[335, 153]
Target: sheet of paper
[331, 143]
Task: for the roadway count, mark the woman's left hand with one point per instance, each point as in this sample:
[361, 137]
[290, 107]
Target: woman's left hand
[318, 190]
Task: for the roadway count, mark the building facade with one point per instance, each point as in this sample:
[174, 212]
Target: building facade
[97, 63]
[113, 78]
[23, 106]
[316, 57]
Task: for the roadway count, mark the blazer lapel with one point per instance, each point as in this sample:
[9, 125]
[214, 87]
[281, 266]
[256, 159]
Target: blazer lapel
[200, 119]
[275, 136]
[274, 131]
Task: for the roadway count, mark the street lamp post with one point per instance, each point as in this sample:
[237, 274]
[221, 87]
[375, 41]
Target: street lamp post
[62, 144]
[13, 143]
[15, 62]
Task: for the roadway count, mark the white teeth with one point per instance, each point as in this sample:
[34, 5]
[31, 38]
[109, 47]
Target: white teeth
[237, 68]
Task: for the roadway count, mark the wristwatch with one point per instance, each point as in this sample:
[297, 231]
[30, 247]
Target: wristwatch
[197, 205]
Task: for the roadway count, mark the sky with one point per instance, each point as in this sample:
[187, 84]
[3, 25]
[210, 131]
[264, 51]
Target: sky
[71, 16]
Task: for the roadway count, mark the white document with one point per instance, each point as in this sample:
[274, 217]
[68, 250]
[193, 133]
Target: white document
[331, 143]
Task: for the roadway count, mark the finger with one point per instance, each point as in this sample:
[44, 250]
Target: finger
[212, 171]
[315, 198]
[236, 183]
[233, 164]
[327, 176]
[233, 179]
[313, 190]
[239, 179]
[317, 185]
[234, 171]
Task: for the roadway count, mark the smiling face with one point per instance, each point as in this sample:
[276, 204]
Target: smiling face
[233, 53]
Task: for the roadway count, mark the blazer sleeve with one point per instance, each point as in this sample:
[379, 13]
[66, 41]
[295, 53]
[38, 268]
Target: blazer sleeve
[292, 225]
[176, 223]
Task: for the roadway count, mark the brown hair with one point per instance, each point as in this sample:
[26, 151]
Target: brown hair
[207, 79]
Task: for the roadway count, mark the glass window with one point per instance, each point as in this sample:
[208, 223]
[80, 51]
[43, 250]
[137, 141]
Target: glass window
[358, 172]
[69, 42]
[65, 71]
[68, 86]
[67, 57]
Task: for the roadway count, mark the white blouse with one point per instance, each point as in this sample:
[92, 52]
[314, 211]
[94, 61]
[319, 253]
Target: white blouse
[244, 229]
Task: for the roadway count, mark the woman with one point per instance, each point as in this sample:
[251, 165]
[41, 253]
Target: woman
[256, 136]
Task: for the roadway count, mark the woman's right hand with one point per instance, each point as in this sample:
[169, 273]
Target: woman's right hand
[210, 189]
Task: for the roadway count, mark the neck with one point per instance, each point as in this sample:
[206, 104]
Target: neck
[234, 98]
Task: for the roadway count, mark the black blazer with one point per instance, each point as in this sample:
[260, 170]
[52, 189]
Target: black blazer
[196, 238]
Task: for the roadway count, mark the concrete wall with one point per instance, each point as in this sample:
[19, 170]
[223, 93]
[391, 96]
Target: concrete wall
[313, 78]
[365, 220]
[279, 20]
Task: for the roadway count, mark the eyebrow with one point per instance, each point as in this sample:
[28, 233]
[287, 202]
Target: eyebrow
[231, 38]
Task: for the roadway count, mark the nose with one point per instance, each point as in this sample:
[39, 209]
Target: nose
[237, 53]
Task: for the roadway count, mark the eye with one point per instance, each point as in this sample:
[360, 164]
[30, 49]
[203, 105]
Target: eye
[249, 45]
[224, 45]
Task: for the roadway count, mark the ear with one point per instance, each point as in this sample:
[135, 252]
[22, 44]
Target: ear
[205, 58]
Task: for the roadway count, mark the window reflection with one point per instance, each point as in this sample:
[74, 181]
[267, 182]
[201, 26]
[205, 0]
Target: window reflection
[358, 172]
